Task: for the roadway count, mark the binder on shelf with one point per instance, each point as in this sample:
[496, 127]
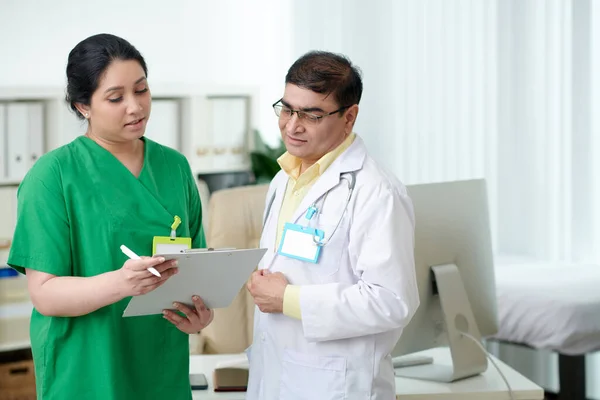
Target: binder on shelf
[25, 134]
[229, 130]
[61, 125]
[16, 133]
[36, 132]
[164, 125]
[3, 138]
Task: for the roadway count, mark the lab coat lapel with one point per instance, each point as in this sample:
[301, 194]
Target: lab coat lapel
[350, 160]
[270, 228]
[327, 181]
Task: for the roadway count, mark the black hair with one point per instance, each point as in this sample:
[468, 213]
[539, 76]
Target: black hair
[88, 62]
[328, 73]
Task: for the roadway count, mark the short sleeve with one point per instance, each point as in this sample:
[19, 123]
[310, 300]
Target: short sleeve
[41, 240]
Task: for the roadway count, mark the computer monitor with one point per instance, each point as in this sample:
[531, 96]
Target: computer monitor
[455, 276]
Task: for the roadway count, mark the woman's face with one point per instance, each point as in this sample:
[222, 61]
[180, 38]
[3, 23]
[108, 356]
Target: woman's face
[120, 107]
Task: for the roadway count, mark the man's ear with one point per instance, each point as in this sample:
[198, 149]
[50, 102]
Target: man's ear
[350, 117]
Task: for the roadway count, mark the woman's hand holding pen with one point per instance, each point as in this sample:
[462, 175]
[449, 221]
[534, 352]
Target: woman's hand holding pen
[135, 279]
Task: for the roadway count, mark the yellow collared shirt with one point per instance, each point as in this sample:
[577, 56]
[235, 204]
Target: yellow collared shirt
[297, 187]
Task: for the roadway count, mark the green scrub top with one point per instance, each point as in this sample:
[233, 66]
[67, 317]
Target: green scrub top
[77, 205]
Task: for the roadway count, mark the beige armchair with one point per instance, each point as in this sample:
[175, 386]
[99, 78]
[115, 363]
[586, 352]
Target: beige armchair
[234, 220]
[204, 200]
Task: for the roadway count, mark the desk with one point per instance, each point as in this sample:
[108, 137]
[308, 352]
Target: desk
[14, 326]
[487, 386]
[205, 364]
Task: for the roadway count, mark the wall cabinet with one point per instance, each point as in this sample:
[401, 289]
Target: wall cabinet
[164, 125]
[22, 138]
[211, 126]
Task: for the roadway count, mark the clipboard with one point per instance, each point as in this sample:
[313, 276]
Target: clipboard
[216, 275]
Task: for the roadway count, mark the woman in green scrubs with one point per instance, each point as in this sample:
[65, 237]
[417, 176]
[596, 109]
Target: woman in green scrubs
[76, 207]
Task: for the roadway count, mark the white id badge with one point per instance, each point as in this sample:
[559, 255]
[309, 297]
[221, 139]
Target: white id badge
[299, 242]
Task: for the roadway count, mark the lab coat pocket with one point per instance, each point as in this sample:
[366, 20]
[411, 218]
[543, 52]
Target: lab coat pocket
[310, 376]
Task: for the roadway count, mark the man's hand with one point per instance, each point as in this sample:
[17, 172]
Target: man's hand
[267, 289]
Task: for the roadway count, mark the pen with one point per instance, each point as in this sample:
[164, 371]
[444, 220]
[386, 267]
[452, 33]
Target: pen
[134, 256]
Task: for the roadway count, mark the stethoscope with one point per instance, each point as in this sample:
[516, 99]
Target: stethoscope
[348, 176]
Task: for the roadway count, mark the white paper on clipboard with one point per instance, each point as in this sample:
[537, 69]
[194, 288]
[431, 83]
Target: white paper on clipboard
[215, 275]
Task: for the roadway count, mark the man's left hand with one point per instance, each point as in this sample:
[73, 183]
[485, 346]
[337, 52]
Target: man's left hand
[267, 289]
[195, 319]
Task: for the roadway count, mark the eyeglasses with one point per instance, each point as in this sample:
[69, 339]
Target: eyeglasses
[285, 113]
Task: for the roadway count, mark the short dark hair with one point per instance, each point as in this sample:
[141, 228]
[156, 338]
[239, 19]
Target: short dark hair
[328, 73]
[88, 62]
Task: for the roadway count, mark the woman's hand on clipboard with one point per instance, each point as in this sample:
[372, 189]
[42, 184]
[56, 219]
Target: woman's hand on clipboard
[137, 280]
[194, 319]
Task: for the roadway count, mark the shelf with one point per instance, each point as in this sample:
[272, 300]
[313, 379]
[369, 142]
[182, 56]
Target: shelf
[211, 125]
[20, 309]
[16, 345]
[10, 182]
[24, 93]
[14, 326]
[221, 170]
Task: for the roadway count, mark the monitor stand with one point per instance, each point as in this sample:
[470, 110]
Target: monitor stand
[467, 358]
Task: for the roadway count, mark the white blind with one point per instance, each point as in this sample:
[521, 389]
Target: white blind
[507, 90]
[594, 176]
[429, 109]
[535, 134]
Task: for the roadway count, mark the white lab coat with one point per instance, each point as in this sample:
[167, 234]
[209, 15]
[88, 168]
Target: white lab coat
[354, 301]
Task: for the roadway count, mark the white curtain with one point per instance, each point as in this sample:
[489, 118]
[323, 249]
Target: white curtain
[537, 132]
[501, 89]
[548, 168]
[430, 102]
[593, 243]
[508, 90]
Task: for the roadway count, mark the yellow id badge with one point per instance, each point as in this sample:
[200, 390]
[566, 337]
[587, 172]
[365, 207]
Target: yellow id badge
[168, 245]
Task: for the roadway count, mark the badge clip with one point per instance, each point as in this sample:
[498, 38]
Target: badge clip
[310, 212]
[174, 225]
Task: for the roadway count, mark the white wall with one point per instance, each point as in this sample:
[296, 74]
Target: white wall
[232, 42]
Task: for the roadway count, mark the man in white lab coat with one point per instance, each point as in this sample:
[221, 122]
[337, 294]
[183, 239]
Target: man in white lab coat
[338, 283]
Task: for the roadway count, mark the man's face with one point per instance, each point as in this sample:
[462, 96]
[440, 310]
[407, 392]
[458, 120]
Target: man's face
[311, 140]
